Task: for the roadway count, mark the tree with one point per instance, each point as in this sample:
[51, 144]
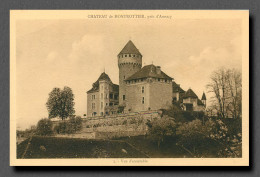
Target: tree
[226, 87]
[61, 103]
[160, 127]
[194, 135]
[44, 127]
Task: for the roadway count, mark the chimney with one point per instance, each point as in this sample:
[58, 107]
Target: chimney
[158, 69]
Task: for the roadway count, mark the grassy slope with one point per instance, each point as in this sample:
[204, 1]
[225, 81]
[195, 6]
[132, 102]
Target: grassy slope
[149, 147]
[76, 148]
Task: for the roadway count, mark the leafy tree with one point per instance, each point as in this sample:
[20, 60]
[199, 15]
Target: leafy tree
[160, 127]
[44, 127]
[61, 103]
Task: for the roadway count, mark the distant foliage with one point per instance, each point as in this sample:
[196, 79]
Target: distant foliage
[44, 127]
[61, 103]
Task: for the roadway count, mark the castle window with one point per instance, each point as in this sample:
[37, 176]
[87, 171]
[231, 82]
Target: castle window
[143, 100]
[123, 97]
[110, 104]
[93, 105]
[101, 105]
[125, 55]
[93, 97]
[111, 95]
[134, 55]
[143, 89]
[141, 80]
[124, 77]
[101, 95]
[159, 79]
[129, 55]
[115, 97]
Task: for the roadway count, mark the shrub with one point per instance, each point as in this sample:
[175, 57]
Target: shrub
[124, 122]
[133, 121]
[159, 128]
[44, 127]
[73, 125]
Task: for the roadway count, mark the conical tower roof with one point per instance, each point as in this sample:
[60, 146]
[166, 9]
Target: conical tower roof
[130, 49]
[203, 96]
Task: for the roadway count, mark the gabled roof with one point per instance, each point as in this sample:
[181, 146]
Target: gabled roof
[190, 94]
[203, 96]
[148, 71]
[176, 88]
[130, 49]
[103, 76]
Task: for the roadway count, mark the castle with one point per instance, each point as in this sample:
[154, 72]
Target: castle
[140, 89]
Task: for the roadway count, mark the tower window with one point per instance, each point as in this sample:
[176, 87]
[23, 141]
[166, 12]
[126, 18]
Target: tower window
[101, 105]
[129, 55]
[143, 89]
[125, 55]
[123, 97]
[143, 100]
[134, 55]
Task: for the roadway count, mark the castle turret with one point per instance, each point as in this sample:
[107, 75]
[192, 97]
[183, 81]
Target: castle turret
[129, 62]
[203, 99]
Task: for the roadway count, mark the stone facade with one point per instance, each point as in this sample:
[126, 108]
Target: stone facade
[140, 89]
[129, 62]
[103, 94]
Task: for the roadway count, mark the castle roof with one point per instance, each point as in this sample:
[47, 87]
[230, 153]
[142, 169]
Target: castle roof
[199, 102]
[203, 96]
[130, 49]
[103, 76]
[148, 71]
[190, 94]
[176, 88]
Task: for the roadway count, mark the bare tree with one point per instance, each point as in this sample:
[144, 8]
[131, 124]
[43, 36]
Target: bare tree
[226, 87]
[234, 83]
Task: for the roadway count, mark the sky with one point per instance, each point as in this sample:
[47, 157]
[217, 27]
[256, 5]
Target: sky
[74, 52]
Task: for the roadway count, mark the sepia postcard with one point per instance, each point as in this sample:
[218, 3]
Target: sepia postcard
[129, 88]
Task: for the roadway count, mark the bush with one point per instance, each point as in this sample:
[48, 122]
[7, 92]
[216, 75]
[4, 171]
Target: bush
[133, 121]
[73, 125]
[159, 128]
[44, 127]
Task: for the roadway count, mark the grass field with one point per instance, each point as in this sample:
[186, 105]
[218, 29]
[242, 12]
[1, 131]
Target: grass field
[124, 147]
[52, 147]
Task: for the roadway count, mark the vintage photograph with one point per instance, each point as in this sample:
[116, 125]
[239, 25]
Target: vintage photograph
[129, 87]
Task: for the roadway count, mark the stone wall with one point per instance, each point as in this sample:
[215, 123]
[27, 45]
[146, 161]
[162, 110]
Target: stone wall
[106, 127]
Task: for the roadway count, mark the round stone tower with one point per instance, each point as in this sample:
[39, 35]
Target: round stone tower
[129, 62]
